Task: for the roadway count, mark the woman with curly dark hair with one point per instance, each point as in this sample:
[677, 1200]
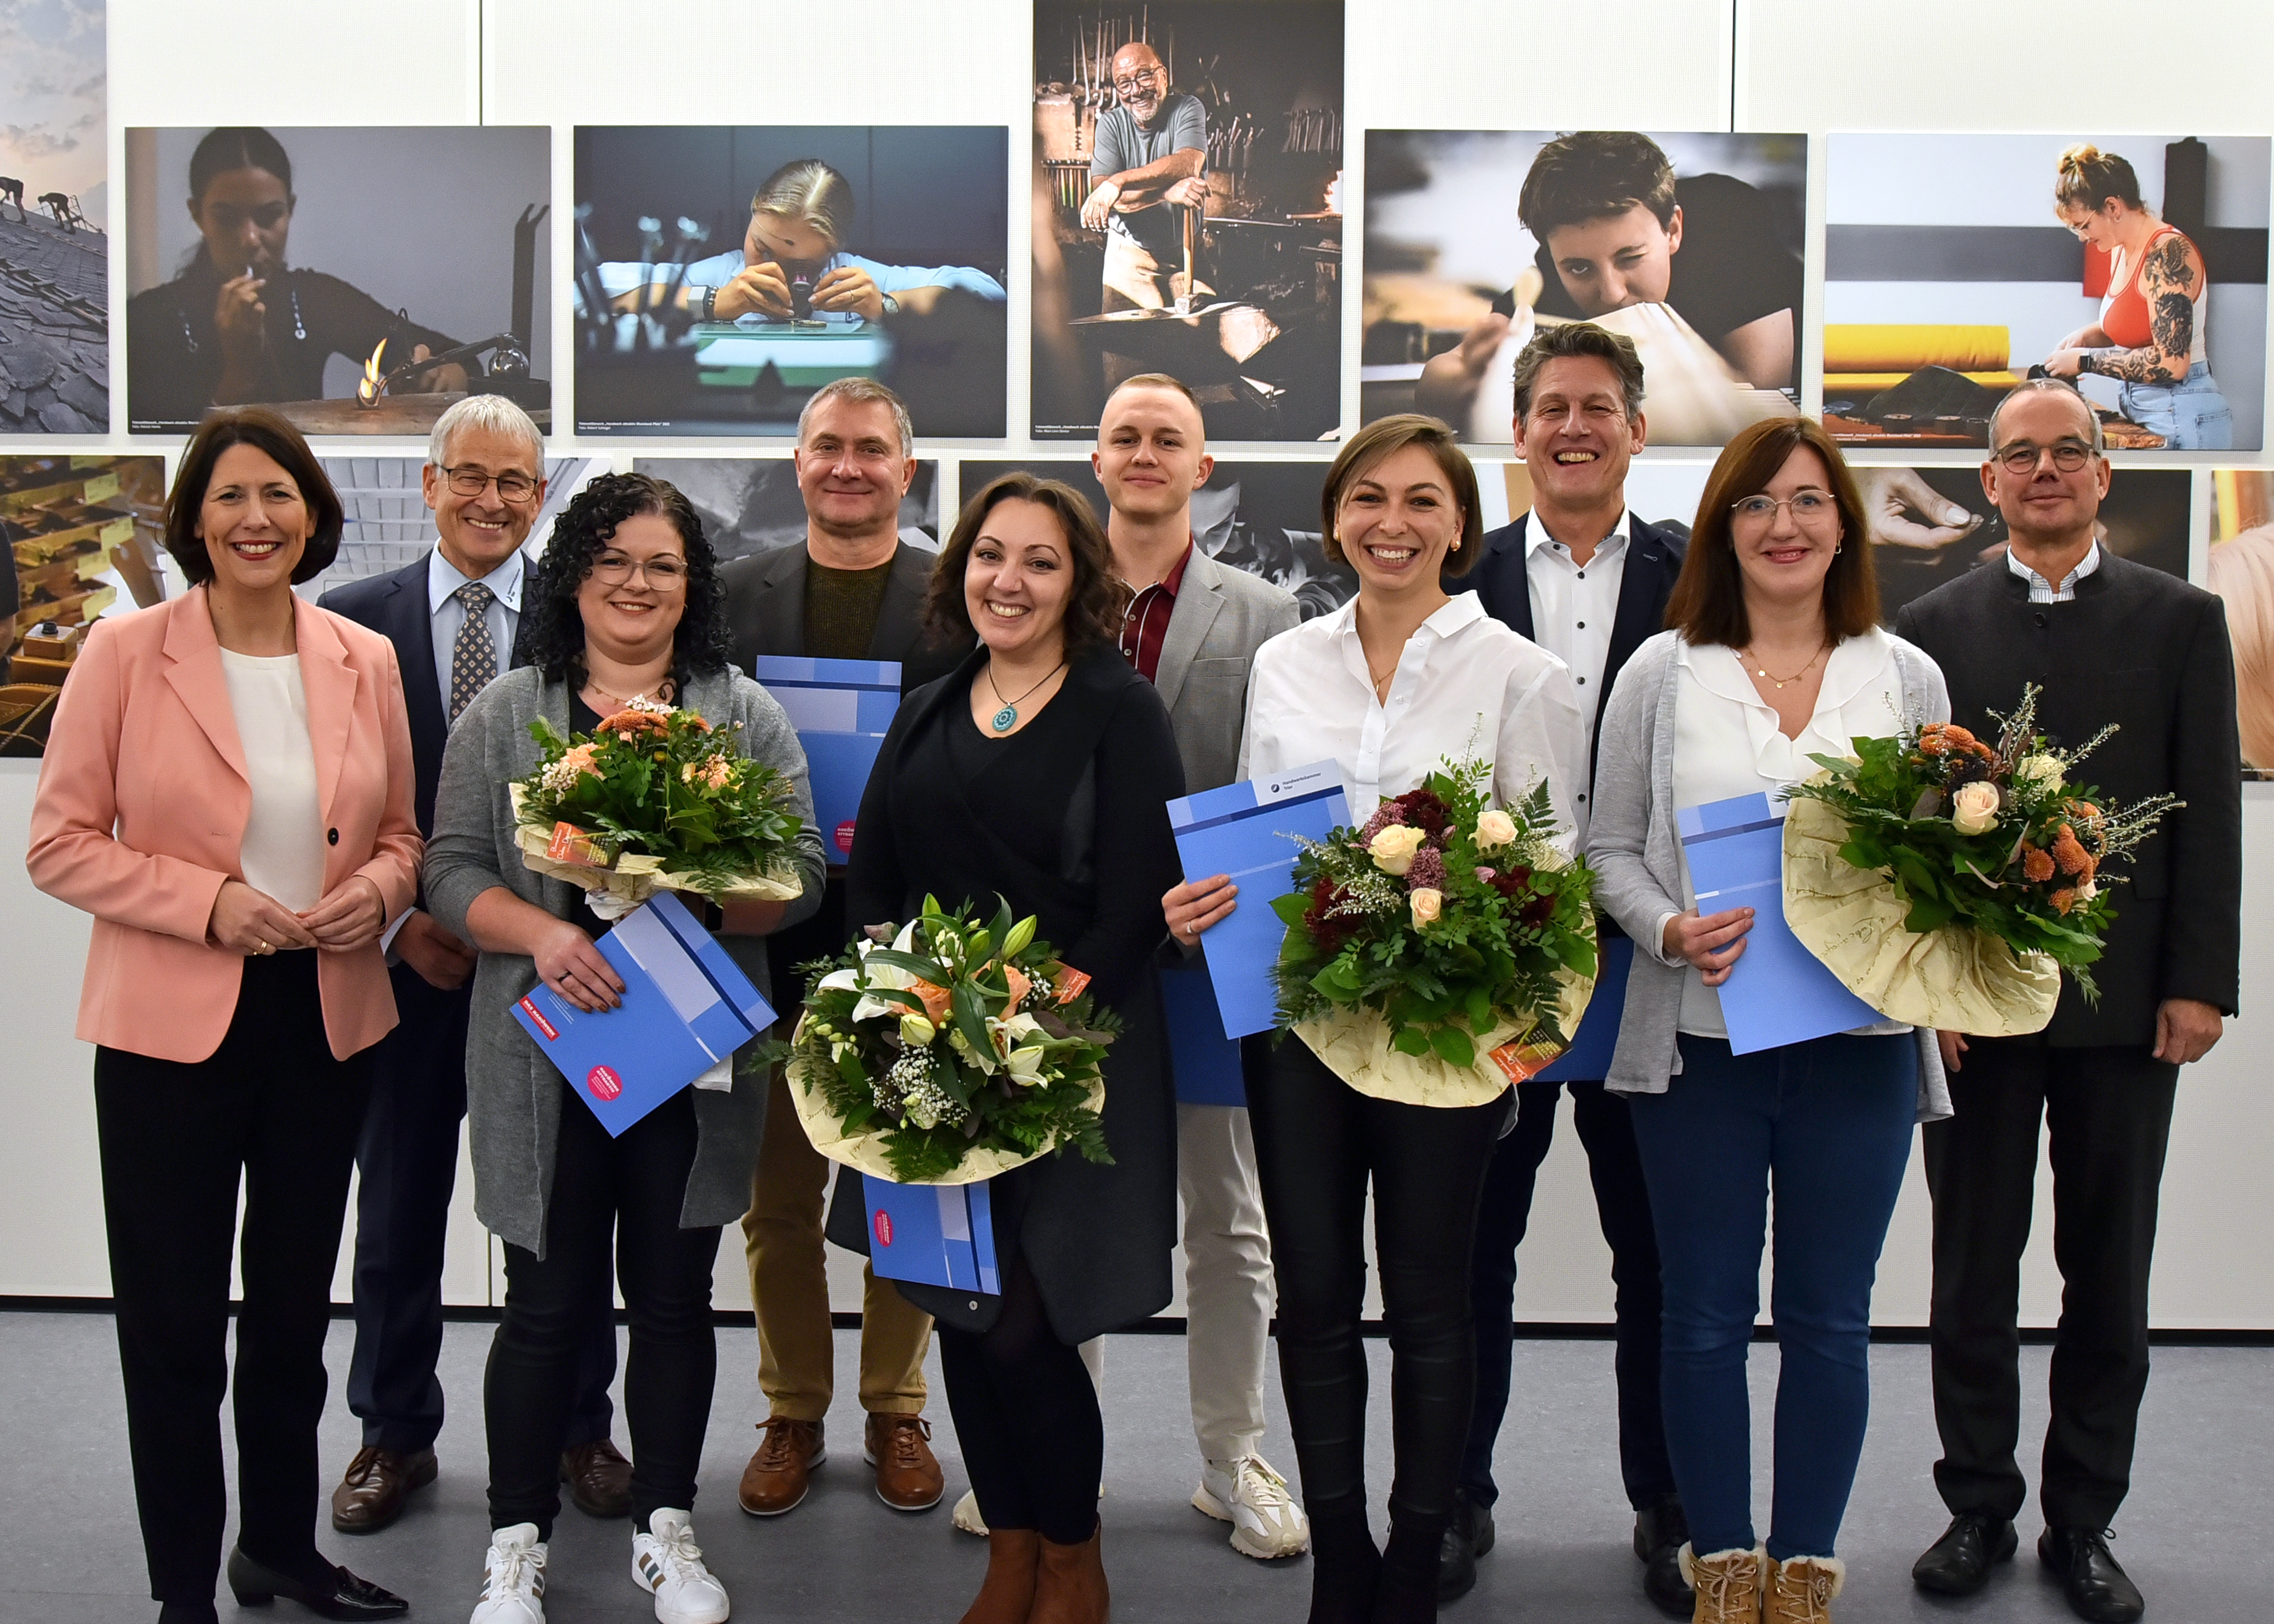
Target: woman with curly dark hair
[625, 605]
[1039, 772]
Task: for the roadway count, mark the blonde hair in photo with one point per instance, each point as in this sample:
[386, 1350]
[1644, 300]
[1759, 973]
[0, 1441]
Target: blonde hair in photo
[810, 193]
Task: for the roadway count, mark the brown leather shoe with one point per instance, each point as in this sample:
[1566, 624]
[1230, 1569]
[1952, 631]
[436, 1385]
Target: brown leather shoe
[1070, 1583]
[600, 1479]
[1006, 1596]
[370, 1496]
[782, 1469]
[900, 1447]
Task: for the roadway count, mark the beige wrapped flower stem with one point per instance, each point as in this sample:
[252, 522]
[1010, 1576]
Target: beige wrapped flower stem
[635, 877]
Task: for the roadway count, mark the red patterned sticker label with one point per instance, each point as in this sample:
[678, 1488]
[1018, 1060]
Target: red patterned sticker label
[605, 1084]
[844, 836]
[1070, 980]
[571, 844]
[1520, 1060]
[529, 1008]
[884, 1228]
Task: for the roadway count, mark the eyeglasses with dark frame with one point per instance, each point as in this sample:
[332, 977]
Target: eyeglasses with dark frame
[512, 485]
[1140, 80]
[1808, 506]
[665, 575]
[2022, 457]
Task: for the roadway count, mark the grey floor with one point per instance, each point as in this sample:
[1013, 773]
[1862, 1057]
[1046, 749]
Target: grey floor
[2193, 1534]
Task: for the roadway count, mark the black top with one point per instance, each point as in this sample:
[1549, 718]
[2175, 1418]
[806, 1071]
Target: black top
[1729, 270]
[2144, 649]
[173, 349]
[1067, 820]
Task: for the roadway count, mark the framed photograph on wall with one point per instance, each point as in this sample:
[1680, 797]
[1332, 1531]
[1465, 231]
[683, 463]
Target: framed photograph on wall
[54, 220]
[390, 525]
[2242, 574]
[1188, 213]
[751, 505]
[1690, 245]
[359, 280]
[726, 273]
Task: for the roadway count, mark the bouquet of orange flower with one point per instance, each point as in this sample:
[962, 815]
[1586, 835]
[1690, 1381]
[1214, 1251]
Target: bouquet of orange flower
[655, 799]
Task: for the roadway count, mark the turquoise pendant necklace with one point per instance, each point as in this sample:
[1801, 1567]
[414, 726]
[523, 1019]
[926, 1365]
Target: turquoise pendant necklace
[1004, 720]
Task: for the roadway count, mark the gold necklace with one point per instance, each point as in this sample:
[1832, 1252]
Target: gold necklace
[1761, 671]
[617, 699]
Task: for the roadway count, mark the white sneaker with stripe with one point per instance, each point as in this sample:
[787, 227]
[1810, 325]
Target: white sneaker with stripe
[667, 1562]
[513, 1585]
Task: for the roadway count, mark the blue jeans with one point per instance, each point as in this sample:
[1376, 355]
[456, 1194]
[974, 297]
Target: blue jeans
[1829, 1123]
[2191, 415]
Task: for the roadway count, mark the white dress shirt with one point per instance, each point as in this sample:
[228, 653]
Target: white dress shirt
[443, 580]
[282, 854]
[1727, 743]
[2044, 591]
[1573, 607]
[1466, 685]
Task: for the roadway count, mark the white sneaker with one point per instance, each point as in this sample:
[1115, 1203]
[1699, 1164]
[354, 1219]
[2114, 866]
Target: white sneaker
[966, 1515]
[667, 1562]
[1266, 1522]
[513, 1586]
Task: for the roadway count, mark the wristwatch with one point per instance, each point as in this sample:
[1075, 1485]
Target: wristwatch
[2083, 361]
[701, 302]
[892, 305]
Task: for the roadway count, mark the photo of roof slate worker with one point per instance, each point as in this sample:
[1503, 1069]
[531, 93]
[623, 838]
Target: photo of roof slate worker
[725, 274]
[1688, 244]
[1187, 211]
[244, 319]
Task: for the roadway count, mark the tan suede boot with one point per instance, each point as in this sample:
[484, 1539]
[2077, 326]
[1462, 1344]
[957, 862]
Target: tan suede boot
[1801, 1589]
[1729, 1584]
[1006, 1596]
[1070, 1583]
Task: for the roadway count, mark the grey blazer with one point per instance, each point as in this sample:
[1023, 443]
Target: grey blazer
[1222, 616]
[1637, 859]
[512, 1092]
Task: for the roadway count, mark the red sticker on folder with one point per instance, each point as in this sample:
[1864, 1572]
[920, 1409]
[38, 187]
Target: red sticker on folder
[604, 1083]
[884, 1228]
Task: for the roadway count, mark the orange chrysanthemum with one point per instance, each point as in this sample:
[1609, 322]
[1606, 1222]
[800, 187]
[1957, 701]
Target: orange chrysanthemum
[2063, 900]
[2071, 856]
[628, 723]
[2037, 863]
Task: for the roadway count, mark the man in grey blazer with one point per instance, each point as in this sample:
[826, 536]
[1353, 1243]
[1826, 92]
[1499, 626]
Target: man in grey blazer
[1192, 628]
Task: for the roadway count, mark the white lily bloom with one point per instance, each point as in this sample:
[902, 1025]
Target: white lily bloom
[1025, 1066]
[986, 1062]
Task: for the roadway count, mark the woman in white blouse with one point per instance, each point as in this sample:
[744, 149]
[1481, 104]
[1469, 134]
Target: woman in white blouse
[1398, 677]
[1774, 655]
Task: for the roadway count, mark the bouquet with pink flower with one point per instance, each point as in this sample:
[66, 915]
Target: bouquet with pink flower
[1441, 949]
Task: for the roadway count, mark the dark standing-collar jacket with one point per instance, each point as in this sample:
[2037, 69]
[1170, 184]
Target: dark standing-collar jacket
[766, 613]
[2143, 649]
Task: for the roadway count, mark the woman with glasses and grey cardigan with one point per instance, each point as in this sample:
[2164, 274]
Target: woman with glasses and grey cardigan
[1775, 653]
[626, 604]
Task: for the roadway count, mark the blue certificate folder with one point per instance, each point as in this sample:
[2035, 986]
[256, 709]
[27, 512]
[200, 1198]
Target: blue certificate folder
[841, 709]
[687, 1006]
[1243, 829]
[1205, 1061]
[1588, 1060]
[932, 1234]
[1778, 992]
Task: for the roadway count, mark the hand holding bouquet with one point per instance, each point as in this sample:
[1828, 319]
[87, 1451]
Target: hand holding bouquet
[1947, 881]
[655, 799]
[1441, 950]
[956, 1053]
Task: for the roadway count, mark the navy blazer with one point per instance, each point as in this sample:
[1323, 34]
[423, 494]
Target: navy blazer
[1652, 563]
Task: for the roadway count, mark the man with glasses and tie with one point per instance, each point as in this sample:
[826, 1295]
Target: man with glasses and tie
[2110, 641]
[1145, 171]
[452, 617]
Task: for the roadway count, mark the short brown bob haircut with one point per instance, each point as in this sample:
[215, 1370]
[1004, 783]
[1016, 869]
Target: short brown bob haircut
[1708, 602]
[1092, 614]
[1385, 436]
[265, 431]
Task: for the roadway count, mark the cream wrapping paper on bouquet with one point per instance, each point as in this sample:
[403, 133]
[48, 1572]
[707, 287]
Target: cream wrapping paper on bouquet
[1958, 979]
[635, 877]
[865, 1153]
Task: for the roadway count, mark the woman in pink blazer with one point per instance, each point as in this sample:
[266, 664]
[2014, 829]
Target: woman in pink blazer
[228, 790]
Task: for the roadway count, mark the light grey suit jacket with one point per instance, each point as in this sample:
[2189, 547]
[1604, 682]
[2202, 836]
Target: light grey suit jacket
[1222, 616]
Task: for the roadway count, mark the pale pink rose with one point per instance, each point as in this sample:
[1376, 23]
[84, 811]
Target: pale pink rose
[1393, 848]
[1428, 905]
[1494, 828]
[1974, 809]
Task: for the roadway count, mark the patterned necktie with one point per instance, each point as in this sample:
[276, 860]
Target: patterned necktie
[473, 660]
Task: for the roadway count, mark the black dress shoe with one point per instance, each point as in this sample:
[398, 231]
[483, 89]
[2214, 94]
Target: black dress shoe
[2097, 1588]
[1468, 1537]
[1660, 1530]
[341, 1595]
[1959, 1563]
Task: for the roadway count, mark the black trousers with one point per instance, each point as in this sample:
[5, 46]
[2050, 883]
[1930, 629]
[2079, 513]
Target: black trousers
[1318, 1144]
[624, 1195]
[1027, 1419]
[272, 1105]
[408, 1161]
[2106, 1114]
[1622, 1207]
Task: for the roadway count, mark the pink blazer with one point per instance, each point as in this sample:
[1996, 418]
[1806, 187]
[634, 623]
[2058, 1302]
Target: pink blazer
[141, 810]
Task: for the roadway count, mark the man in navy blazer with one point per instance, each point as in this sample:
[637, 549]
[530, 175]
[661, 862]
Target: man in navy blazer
[452, 617]
[1588, 582]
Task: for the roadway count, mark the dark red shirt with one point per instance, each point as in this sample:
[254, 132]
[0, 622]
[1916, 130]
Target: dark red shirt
[1145, 623]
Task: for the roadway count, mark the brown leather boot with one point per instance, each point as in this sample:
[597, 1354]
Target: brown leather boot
[1070, 1583]
[1006, 1596]
[1801, 1589]
[1729, 1584]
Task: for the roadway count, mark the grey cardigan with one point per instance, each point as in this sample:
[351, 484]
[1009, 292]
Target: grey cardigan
[512, 1092]
[1638, 859]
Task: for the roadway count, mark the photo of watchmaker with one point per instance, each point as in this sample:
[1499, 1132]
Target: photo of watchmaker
[225, 230]
[1187, 213]
[725, 274]
[1688, 245]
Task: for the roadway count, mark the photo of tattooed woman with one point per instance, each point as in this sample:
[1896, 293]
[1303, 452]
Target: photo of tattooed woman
[2133, 266]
